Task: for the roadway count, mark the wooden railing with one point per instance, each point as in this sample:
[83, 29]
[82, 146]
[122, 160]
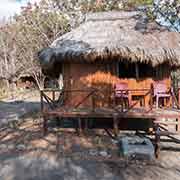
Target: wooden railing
[54, 98]
[50, 99]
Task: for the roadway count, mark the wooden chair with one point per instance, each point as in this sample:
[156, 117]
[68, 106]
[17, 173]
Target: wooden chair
[160, 91]
[122, 94]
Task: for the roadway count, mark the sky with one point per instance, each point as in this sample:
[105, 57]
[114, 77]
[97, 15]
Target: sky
[10, 7]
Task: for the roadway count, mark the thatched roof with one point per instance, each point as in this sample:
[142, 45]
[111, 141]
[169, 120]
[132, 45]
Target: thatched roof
[109, 36]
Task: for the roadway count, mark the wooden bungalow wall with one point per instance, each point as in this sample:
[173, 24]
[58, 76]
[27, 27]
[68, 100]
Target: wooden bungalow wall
[102, 76]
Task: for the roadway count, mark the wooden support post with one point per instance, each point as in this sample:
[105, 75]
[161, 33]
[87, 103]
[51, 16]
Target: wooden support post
[137, 71]
[93, 103]
[115, 124]
[174, 99]
[42, 113]
[151, 96]
[41, 100]
[114, 99]
[86, 124]
[45, 128]
[79, 126]
[157, 140]
[122, 103]
[178, 125]
[179, 97]
[53, 96]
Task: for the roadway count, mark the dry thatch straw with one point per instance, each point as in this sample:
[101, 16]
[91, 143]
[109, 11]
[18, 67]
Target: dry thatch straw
[108, 36]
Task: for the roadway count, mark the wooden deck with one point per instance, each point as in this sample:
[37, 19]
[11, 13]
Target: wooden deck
[115, 118]
[139, 113]
[51, 108]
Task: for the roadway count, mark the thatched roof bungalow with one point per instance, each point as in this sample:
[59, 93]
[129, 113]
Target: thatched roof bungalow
[110, 47]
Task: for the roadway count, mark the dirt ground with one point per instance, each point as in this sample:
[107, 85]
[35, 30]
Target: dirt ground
[25, 154]
[12, 109]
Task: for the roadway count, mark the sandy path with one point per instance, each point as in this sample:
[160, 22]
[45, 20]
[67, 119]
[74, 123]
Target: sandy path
[13, 109]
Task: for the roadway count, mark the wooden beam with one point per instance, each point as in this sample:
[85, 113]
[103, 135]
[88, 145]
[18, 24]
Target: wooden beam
[179, 97]
[115, 125]
[41, 100]
[86, 97]
[157, 140]
[137, 70]
[79, 126]
[93, 103]
[45, 128]
[53, 95]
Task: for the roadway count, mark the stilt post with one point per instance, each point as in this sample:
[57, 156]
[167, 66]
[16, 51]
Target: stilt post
[115, 124]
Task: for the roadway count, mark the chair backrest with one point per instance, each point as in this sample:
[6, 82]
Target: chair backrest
[121, 88]
[160, 87]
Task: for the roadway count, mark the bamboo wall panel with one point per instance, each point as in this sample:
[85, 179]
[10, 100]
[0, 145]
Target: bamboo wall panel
[102, 77]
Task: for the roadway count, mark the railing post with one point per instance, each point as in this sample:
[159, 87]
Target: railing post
[41, 99]
[53, 95]
[79, 127]
[179, 97]
[115, 124]
[157, 140]
[93, 103]
[45, 127]
[151, 96]
[178, 126]
[114, 99]
[43, 116]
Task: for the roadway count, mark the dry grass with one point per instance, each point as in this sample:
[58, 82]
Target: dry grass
[108, 36]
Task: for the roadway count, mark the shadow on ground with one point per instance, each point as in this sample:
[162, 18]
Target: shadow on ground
[14, 110]
[25, 154]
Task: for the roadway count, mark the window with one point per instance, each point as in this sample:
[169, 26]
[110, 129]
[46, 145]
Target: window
[135, 70]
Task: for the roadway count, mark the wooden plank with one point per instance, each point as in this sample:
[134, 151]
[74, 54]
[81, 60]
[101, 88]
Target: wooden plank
[96, 113]
[67, 90]
[166, 123]
[79, 126]
[178, 127]
[49, 101]
[174, 98]
[86, 97]
[115, 124]
[143, 97]
[137, 71]
[157, 140]
[41, 100]
[141, 113]
[53, 96]
[45, 128]
[179, 96]
[93, 102]
[90, 90]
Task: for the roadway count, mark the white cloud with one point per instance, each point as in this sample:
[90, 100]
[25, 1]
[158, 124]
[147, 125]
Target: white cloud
[10, 7]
